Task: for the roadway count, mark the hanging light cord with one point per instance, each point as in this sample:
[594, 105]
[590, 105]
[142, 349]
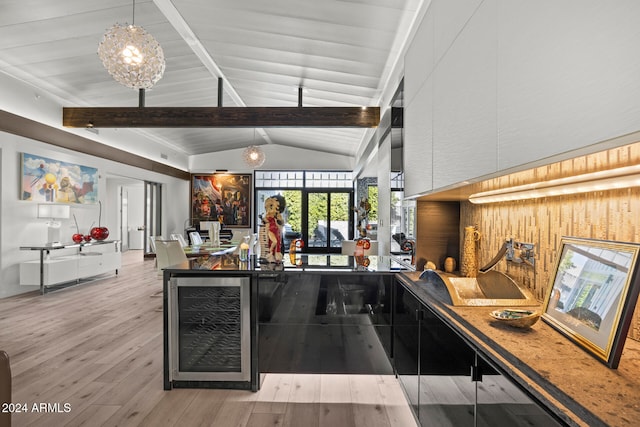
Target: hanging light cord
[133, 19]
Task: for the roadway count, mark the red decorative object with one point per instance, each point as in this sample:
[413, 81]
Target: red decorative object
[87, 238]
[77, 237]
[99, 233]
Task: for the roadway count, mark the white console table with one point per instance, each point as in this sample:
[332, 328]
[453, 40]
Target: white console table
[79, 261]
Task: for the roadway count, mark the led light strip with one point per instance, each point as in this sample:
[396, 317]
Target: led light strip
[625, 177]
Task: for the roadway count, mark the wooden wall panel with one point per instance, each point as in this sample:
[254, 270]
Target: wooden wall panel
[438, 232]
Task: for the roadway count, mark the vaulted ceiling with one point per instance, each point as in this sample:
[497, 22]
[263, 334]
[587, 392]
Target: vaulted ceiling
[340, 51]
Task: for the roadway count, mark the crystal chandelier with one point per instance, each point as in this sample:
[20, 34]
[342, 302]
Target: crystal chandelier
[253, 156]
[132, 56]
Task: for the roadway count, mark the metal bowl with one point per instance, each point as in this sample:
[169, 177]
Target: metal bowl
[518, 318]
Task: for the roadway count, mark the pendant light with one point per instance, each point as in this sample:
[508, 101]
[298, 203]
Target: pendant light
[253, 155]
[131, 55]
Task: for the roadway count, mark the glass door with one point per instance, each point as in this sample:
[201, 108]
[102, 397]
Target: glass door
[152, 212]
[328, 219]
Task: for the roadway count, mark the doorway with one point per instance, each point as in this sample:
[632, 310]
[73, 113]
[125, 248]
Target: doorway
[152, 213]
[125, 243]
[125, 216]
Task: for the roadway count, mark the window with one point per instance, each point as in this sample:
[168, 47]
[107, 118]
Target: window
[300, 189]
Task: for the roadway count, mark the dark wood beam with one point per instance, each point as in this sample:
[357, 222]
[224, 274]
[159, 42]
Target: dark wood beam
[21, 126]
[223, 117]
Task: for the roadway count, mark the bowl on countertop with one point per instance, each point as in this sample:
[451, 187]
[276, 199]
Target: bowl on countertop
[517, 318]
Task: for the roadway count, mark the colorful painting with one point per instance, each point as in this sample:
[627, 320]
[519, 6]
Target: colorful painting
[48, 180]
[224, 197]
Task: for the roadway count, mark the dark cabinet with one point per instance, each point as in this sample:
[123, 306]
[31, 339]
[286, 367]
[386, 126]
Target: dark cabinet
[500, 402]
[447, 382]
[433, 365]
[325, 323]
[406, 343]
[446, 389]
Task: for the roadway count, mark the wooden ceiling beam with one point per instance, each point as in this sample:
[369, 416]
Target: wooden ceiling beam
[223, 117]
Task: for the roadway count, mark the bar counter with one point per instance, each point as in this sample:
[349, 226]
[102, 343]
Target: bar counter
[581, 390]
[317, 298]
[310, 314]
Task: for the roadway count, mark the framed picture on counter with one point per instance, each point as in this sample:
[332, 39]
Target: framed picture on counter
[223, 197]
[593, 293]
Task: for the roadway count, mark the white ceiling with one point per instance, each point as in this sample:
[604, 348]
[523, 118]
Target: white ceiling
[340, 51]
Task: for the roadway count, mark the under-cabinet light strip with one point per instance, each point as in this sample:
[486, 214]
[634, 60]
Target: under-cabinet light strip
[625, 177]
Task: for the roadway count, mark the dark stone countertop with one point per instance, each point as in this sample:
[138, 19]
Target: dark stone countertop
[300, 262]
[574, 384]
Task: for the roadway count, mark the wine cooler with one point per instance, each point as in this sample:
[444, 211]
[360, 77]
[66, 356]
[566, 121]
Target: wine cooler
[209, 330]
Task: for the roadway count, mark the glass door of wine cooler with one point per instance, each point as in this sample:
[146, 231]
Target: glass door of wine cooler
[209, 328]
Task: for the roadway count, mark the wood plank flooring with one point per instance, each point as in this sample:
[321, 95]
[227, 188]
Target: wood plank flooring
[98, 348]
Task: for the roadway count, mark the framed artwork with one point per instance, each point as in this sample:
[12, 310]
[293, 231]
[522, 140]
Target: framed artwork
[593, 293]
[223, 197]
[49, 180]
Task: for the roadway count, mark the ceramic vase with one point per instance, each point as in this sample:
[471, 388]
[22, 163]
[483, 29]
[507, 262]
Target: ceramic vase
[449, 265]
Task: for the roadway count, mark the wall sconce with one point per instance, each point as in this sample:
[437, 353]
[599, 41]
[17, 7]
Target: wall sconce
[53, 212]
[625, 177]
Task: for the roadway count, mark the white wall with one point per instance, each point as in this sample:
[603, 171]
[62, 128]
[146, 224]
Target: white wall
[384, 196]
[19, 225]
[23, 100]
[495, 85]
[277, 157]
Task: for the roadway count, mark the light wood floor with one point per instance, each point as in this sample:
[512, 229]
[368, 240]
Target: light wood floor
[98, 348]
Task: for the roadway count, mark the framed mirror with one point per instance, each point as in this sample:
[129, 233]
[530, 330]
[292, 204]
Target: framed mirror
[593, 293]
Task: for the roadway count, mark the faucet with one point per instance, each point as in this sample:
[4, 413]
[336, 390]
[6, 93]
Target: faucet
[501, 252]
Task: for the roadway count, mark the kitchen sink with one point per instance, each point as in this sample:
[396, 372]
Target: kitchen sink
[491, 288]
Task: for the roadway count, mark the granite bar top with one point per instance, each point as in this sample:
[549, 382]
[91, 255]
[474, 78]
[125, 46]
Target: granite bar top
[574, 384]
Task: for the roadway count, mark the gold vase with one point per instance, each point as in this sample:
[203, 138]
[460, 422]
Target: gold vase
[469, 262]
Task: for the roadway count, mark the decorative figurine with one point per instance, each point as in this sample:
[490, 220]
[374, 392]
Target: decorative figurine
[363, 244]
[362, 211]
[273, 224]
[295, 246]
